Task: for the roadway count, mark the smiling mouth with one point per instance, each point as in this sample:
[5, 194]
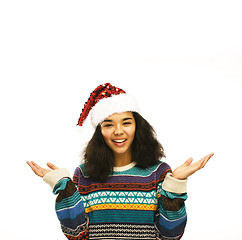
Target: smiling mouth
[120, 140]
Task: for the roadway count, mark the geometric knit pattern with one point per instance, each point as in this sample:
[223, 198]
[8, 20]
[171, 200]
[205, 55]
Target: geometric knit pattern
[129, 205]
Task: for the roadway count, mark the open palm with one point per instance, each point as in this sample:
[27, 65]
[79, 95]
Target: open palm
[188, 168]
[39, 171]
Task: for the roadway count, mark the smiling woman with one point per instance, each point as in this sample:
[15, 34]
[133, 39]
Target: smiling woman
[118, 131]
[123, 190]
[107, 150]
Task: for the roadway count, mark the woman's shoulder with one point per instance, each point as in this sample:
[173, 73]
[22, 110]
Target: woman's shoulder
[160, 169]
[156, 169]
[80, 170]
[159, 166]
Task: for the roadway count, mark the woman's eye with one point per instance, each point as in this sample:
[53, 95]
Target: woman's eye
[127, 123]
[107, 125]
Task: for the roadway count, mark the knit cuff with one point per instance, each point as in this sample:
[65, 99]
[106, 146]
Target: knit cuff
[174, 185]
[53, 177]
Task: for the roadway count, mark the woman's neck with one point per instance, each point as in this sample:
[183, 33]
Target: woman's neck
[121, 160]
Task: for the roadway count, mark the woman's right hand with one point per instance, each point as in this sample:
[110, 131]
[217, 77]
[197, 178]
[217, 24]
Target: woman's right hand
[39, 171]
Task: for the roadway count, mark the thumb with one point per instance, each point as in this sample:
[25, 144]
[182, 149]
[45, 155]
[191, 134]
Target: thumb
[188, 161]
[52, 166]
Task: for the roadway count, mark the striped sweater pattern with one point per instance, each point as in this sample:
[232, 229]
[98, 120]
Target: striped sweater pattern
[130, 204]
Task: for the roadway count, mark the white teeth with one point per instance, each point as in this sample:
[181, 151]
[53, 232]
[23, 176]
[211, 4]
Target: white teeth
[119, 141]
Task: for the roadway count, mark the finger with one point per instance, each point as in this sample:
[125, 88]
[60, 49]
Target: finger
[202, 162]
[30, 164]
[206, 159]
[52, 166]
[33, 167]
[188, 161]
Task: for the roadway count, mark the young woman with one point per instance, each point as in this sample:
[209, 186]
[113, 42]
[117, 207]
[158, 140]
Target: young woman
[122, 190]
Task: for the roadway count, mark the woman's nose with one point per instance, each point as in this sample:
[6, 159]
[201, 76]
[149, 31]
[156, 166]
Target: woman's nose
[118, 130]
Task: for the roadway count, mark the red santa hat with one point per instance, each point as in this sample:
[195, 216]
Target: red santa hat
[106, 100]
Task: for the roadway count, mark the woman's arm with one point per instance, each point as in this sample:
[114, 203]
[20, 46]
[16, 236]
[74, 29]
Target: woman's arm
[171, 217]
[69, 207]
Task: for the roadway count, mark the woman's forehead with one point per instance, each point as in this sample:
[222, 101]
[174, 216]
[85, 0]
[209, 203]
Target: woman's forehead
[120, 116]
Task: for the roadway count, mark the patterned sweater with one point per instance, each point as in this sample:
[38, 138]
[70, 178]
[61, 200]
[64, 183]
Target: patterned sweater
[133, 203]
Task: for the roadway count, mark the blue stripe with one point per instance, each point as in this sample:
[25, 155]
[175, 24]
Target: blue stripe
[74, 223]
[171, 228]
[71, 213]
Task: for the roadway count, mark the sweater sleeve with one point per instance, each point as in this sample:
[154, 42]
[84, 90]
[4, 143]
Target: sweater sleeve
[69, 206]
[171, 216]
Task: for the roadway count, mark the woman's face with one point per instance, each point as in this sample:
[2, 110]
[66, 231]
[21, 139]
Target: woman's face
[118, 131]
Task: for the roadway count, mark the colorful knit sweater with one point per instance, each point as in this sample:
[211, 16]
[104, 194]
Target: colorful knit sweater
[132, 204]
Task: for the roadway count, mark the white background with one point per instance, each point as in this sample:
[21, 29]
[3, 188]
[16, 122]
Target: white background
[181, 59]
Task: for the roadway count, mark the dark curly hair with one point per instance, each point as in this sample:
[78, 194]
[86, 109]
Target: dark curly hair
[146, 150]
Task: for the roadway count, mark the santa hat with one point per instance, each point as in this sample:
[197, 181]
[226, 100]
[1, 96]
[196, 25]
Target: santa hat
[106, 100]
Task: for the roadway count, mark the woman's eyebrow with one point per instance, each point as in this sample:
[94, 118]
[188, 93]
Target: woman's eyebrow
[107, 120]
[127, 119]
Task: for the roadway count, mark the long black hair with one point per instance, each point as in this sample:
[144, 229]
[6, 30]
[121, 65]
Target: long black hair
[146, 150]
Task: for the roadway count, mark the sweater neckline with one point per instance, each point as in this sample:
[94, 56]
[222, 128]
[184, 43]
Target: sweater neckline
[124, 168]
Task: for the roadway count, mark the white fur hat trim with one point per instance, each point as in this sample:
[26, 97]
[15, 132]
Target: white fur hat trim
[116, 104]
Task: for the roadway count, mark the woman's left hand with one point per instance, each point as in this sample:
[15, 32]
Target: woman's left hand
[188, 168]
